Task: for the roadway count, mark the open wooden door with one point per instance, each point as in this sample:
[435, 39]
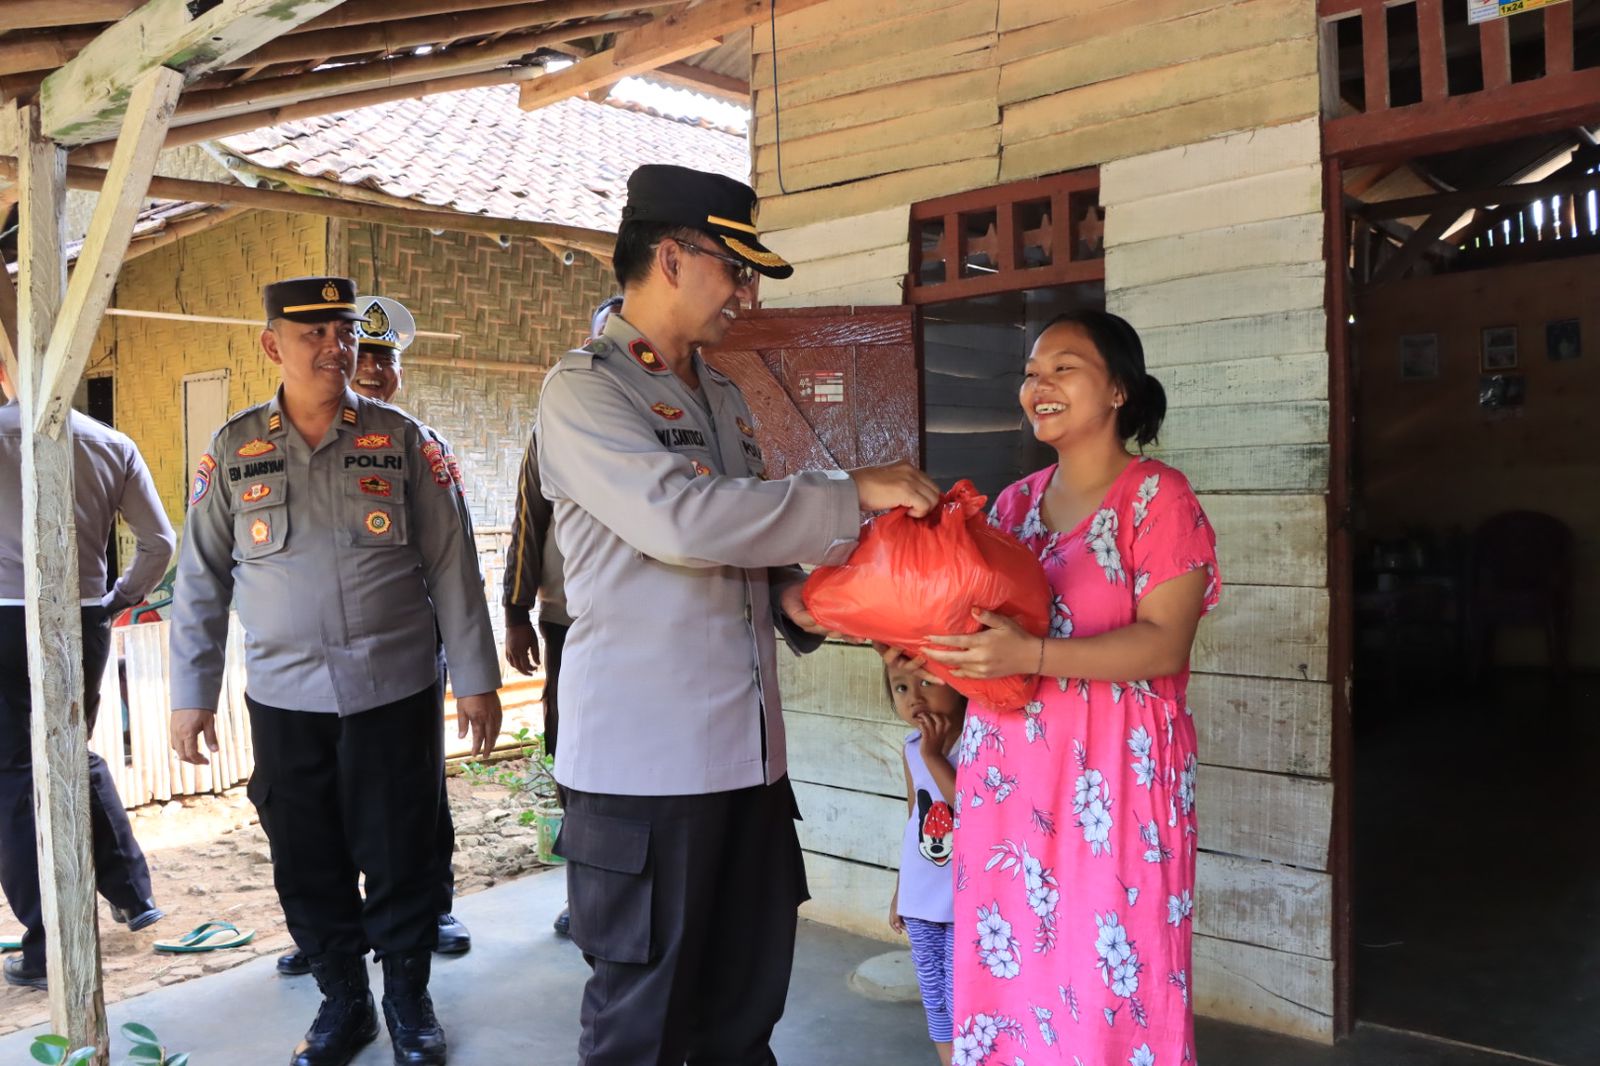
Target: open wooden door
[830, 387]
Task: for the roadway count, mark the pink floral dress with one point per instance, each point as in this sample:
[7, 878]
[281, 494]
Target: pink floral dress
[1075, 823]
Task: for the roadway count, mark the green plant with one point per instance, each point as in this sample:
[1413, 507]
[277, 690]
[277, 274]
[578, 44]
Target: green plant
[535, 778]
[53, 1050]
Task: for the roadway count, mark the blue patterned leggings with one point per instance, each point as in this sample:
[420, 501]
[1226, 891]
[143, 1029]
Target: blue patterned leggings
[933, 953]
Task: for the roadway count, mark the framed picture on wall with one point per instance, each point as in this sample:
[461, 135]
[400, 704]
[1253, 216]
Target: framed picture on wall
[1419, 356]
[1500, 348]
[1563, 339]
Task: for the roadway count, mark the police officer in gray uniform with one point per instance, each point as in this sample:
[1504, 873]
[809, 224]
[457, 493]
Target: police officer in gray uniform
[109, 477]
[337, 526]
[684, 869]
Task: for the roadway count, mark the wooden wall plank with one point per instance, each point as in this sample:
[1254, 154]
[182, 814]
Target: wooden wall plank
[872, 194]
[1277, 468]
[858, 826]
[1266, 989]
[1266, 631]
[1277, 907]
[1211, 162]
[925, 31]
[1265, 816]
[829, 240]
[836, 680]
[840, 272]
[1155, 90]
[1074, 22]
[1151, 44]
[862, 109]
[1267, 724]
[983, 142]
[847, 752]
[1263, 105]
[954, 57]
[1270, 540]
[1172, 254]
[1265, 380]
[826, 22]
[884, 292]
[1236, 425]
[851, 896]
[905, 130]
[1280, 194]
[1236, 294]
[1228, 339]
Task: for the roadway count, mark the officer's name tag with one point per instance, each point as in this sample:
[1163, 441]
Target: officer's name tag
[256, 469]
[373, 462]
[679, 438]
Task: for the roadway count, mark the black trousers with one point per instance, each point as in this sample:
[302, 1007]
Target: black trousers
[555, 639]
[345, 797]
[684, 908]
[444, 839]
[121, 873]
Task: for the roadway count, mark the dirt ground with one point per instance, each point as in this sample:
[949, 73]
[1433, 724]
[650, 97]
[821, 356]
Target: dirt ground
[209, 860]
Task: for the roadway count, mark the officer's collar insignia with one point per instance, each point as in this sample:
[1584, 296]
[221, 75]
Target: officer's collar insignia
[369, 442]
[202, 480]
[256, 492]
[744, 427]
[274, 422]
[330, 291]
[379, 523]
[646, 356]
[375, 486]
[251, 449]
[349, 416]
[667, 411]
[260, 531]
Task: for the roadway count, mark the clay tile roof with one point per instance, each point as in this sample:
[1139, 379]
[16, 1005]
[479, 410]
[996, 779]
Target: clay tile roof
[476, 151]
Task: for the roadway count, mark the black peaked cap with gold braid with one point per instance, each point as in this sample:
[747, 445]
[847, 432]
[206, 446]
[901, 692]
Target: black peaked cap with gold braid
[716, 205]
[310, 300]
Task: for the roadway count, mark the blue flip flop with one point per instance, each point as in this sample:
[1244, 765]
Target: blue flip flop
[208, 936]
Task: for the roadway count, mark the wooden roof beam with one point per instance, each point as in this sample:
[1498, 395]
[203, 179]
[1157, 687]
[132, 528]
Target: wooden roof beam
[363, 12]
[667, 39]
[1461, 202]
[705, 82]
[85, 99]
[41, 14]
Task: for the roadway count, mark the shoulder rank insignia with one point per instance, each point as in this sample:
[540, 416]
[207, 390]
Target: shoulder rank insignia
[373, 441]
[256, 492]
[744, 427]
[349, 416]
[202, 480]
[376, 486]
[379, 523]
[251, 449]
[274, 422]
[260, 531]
[646, 357]
[667, 411]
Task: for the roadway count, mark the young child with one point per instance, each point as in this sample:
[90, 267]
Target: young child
[922, 906]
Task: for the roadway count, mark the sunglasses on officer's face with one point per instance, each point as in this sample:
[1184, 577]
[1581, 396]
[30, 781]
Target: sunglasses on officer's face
[742, 273]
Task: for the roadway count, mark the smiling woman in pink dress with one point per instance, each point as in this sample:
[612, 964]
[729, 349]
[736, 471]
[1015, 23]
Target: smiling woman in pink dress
[1076, 832]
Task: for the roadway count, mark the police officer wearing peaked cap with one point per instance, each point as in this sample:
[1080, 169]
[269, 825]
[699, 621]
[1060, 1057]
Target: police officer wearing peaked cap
[684, 870]
[337, 527]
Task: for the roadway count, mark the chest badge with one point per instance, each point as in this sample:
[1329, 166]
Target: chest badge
[646, 357]
[379, 523]
[251, 449]
[744, 427]
[701, 469]
[202, 480]
[256, 492]
[667, 411]
[371, 442]
[260, 531]
[376, 486]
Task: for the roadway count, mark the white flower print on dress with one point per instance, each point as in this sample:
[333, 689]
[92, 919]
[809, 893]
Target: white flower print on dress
[1180, 980]
[1060, 619]
[1142, 1056]
[1033, 723]
[997, 948]
[1043, 890]
[1147, 494]
[977, 735]
[1044, 822]
[1102, 543]
[1191, 768]
[1069, 997]
[1144, 766]
[1042, 1016]
[1150, 833]
[1091, 801]
[1000, 785]
[1096, 823]
[1141, 581]
[975, 1038]
[1179, 908]
[1032, 525]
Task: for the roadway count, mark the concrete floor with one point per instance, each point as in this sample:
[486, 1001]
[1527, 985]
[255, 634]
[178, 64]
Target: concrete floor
[515, 999]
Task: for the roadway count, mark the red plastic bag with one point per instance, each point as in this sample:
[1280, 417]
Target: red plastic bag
[912, 577]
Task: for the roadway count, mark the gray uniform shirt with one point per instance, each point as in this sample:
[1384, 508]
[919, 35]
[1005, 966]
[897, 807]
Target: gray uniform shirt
[109, 477]
[667, 531]
[339, 558]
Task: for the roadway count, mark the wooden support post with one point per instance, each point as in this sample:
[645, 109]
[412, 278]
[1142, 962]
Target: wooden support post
[55, 633]
[8, 323]
[144, 126]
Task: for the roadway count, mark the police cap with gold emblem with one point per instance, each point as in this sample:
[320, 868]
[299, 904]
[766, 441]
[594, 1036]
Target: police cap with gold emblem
[309, 300]
[716, 205]
[385, 325]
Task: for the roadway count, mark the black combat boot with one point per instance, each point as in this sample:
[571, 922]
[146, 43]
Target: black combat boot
[417, 1036]
[346, 1022]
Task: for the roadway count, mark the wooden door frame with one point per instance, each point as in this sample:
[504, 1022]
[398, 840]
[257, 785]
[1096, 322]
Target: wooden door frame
[1341, 579]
